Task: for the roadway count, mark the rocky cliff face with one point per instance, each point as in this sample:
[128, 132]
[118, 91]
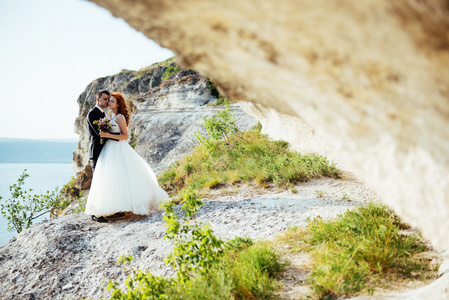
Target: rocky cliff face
[165, 113]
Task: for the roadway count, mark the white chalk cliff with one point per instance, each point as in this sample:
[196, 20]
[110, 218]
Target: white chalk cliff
[165, 113]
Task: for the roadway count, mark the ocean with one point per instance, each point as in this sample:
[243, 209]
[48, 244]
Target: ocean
[49, 164]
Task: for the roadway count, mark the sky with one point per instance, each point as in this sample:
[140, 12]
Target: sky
[50, 50]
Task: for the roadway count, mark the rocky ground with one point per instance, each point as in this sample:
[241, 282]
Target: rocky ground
[72, 257]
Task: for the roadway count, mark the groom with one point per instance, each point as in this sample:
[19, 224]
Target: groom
[96, 113]
[95, 145]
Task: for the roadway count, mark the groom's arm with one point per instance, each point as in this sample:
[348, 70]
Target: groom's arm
[92, 128]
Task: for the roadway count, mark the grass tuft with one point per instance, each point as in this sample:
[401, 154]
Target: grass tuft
[253, 272]
[360, 249]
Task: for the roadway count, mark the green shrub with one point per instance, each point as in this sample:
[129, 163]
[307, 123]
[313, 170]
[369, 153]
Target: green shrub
[214, 286]
[257, 127]
[172, 69]
[254, 272]
[211, 86]
[133, 140]
[141, 285]
[195, 245]
[238, 244]
[57, 209]
[71, 188]
[220, 101]
[81, 203]
[220, 127]
[23, 207]
[212, 183]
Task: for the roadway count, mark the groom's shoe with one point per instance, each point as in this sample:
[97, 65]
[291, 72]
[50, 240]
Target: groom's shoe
[99, 219]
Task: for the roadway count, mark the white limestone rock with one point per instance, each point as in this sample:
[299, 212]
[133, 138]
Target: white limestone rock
[165, 113]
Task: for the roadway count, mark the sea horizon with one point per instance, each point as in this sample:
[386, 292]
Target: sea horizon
[16, 150]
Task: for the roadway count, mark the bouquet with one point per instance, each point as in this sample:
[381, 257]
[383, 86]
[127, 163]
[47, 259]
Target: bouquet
[103, 125]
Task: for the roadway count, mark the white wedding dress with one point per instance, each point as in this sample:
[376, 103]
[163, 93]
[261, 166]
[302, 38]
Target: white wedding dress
[123, 181]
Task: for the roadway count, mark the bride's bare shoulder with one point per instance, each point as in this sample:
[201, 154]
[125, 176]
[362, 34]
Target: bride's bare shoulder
[120, 119]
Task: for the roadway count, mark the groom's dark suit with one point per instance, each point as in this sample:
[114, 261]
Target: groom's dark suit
[94, 140]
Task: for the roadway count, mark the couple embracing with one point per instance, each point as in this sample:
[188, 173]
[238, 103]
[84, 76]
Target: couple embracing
[122, 180]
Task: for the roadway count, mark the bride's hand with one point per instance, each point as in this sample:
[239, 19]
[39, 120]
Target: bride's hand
[102, 133]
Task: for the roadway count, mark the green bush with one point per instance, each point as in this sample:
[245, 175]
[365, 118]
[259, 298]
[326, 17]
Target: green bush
[238, 244]
[257, 127]
[81, 203]
[254, 271]
[71, 188]
[133, 140]
[196, 248]
[170, 71]
[23, 207]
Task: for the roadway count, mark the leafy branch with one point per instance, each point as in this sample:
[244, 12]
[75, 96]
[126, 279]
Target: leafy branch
[23, 207]
[196, 248]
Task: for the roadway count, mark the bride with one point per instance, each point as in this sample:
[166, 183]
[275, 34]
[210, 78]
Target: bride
[122, 181]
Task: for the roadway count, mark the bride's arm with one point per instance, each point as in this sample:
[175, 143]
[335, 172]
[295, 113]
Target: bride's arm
[123, 129]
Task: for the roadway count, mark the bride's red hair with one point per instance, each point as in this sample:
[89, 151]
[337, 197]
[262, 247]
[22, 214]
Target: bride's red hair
[121, 106]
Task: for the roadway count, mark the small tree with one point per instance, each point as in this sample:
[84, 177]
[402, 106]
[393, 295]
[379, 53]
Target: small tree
[195, 245]
[219, 127]
[196, 250]
[23, 207]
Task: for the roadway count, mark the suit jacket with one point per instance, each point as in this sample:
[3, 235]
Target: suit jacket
[94, 140]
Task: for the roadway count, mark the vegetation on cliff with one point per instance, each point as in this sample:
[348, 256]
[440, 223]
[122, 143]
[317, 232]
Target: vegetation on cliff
[228, 156]
[170, 62]
[358, 251]
[23, 207]
[207, 267]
